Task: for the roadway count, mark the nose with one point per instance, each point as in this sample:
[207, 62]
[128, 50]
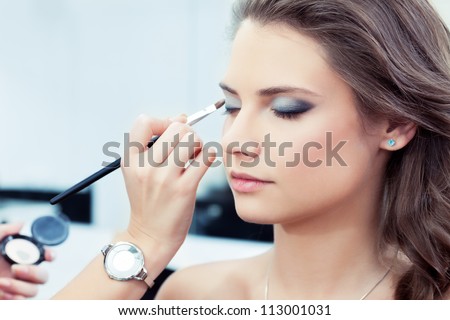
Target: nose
[241, 136]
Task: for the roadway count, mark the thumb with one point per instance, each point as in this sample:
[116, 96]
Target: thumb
[9, 228]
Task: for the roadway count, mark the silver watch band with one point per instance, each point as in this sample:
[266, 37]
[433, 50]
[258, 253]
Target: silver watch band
[141, 275]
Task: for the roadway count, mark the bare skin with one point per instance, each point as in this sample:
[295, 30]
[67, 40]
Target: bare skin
[325, 217]
[242, 279]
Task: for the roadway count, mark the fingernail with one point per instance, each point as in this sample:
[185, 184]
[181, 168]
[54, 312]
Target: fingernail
[212, 153]
[213, 149]
[52, 255]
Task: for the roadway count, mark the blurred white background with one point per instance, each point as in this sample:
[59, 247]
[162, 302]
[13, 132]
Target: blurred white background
[74, 74]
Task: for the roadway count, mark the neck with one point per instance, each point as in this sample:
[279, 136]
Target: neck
[331, 255]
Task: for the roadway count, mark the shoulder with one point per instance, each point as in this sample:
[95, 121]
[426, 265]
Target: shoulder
[234, 279]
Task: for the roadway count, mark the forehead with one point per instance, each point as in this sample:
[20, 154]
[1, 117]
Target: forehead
[277, 54]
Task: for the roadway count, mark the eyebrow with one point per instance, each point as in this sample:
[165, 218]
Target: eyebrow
[270, 91]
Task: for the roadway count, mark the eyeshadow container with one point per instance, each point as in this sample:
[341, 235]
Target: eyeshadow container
[46, 231]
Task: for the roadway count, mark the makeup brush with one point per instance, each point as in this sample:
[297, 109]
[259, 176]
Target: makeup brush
[196, 117]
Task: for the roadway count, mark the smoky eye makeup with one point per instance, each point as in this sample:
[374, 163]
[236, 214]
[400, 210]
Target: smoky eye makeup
[285, 107]
[232, 105]
[281, 106]
[228, 109]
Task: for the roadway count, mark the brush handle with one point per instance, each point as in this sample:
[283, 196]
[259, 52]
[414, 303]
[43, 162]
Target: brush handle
[92, 178]
[116, 164]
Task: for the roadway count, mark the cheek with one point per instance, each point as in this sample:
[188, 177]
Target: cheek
[298, 147]
[327, 163]
[226, 125]
[317, 165]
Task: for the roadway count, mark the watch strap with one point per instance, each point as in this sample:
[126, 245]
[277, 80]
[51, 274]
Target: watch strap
[106, 249]
[142, 275]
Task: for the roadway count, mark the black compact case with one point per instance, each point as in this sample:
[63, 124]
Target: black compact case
[46, 231]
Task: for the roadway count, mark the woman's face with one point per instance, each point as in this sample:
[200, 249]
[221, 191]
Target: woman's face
[294, 140]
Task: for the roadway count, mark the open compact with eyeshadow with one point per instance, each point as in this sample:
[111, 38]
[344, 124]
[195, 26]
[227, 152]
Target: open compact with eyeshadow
[46, 231]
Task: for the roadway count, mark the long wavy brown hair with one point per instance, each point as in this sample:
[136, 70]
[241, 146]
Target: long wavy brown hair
[395, 55]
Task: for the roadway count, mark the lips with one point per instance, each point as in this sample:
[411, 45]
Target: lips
[245, 183]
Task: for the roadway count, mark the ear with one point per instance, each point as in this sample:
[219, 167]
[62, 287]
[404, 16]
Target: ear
[398, 135]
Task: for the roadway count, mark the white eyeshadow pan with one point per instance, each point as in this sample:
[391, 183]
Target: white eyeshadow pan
[22, 251]
[46, 231]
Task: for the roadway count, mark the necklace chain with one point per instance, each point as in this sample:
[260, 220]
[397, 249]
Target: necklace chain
[266, 288]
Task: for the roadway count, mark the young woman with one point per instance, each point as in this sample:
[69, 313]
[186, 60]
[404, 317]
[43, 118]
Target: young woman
[338, 133]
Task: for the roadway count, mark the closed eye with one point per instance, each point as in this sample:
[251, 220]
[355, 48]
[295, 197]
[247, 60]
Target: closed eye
[287, 108]
[286, 115]
[230, 109]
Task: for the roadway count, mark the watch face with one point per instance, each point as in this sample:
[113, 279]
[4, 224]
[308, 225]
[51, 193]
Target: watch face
[124, 261]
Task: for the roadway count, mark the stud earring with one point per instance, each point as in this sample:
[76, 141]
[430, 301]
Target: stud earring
[391, 142]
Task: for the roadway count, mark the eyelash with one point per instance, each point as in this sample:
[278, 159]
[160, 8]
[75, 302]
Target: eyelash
[287, 115]
[229, 110]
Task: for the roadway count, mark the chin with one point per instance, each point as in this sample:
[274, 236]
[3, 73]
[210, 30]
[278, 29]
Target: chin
[256, 214]
[265, 213]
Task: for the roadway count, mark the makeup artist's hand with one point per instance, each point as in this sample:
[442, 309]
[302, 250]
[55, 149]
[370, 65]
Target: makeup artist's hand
[161, 191]
[20, 281]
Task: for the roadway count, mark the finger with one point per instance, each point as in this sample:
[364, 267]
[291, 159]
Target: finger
[9, 296]
[186, 149]
[143, 129]
[179, 118]
[50, 255]
[202, 162]
[29, 273]
[17, 287]
[10, 228]
[161, 149]
[6, 296]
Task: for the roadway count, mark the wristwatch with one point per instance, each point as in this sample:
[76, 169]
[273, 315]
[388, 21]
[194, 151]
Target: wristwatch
[124, 261]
